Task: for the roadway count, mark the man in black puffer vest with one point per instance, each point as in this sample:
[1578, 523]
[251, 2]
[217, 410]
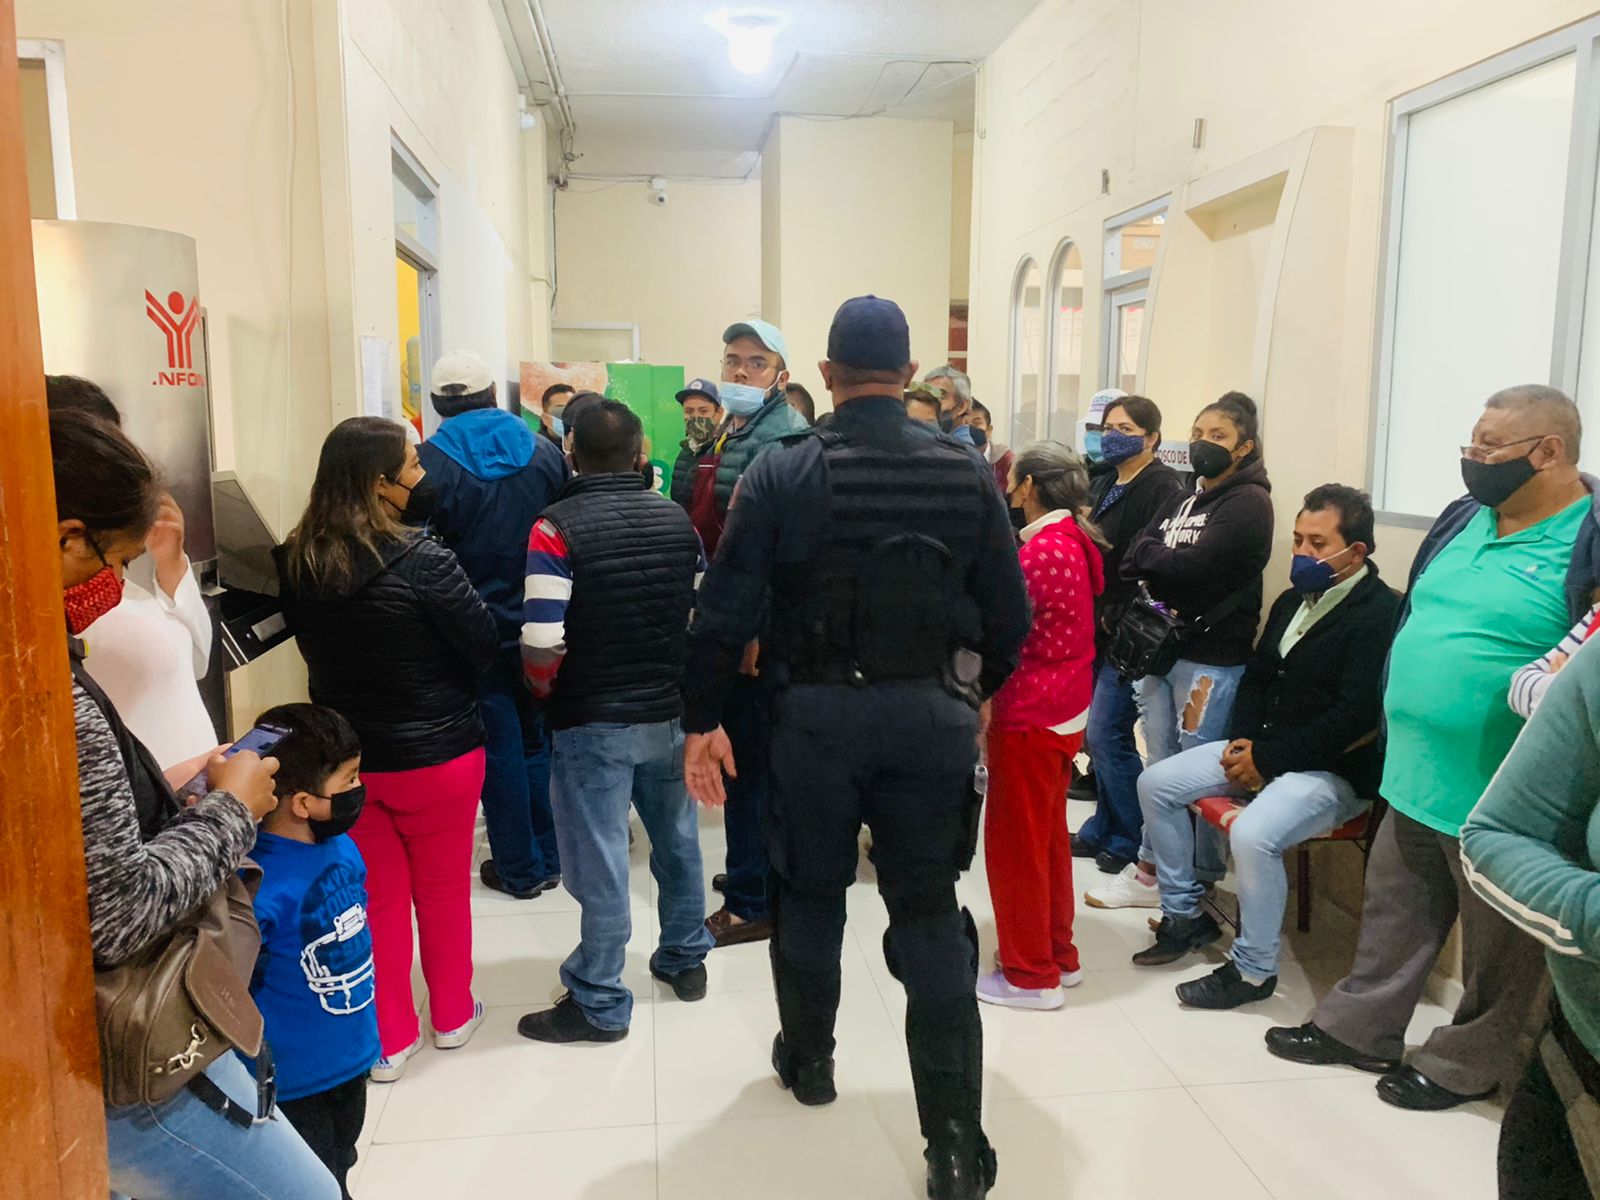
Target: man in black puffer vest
[610, 578]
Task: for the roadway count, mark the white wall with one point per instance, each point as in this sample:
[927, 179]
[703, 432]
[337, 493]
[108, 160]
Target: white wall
[961, 216]
[682, 273]
[861, 207]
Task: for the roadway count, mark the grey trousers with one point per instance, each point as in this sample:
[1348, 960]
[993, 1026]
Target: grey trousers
[1414, 892]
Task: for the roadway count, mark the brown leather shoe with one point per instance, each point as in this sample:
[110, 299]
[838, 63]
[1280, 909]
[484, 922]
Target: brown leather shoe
[728, 930]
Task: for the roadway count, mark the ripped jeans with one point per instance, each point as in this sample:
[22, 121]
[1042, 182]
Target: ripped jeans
[1189, 706]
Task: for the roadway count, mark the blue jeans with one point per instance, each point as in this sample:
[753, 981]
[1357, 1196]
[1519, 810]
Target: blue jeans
[1290, 809]
[182, 1150]
[745, 721]
[516, 778]
[1116, 826]
[1187, 707]
[597, 770]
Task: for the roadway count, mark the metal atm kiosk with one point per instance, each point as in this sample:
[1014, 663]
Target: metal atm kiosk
[120, 305]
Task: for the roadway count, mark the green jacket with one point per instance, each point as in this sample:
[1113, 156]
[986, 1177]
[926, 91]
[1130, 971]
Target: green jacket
[1531, 845]
[776, 420]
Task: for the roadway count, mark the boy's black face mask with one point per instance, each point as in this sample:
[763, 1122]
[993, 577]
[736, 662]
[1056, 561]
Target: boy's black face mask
[347, 806]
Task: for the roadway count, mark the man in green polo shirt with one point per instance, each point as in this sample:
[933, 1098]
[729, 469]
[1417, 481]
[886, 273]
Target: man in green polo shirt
[1500, 578]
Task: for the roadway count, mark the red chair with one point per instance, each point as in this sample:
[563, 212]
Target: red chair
[1220, 811]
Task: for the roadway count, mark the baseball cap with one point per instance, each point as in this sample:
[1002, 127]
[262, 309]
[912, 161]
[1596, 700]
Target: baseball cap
[1100, 401]
[460, 373]
[765, 332]
[704, 387]
[871, 334]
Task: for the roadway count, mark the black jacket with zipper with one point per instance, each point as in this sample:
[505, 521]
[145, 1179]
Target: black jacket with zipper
[1147, 493]
[1220, 540]
[398, 652]
[1318, 708]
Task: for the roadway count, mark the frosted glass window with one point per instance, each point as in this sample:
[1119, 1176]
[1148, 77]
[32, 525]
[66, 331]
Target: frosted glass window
[1027, 355]
[1478, 250]
[1588, 390]
[1066, 343]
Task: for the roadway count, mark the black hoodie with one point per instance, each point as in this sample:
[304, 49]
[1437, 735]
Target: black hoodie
[398, 653]
[1200, 548]
[1146, 495]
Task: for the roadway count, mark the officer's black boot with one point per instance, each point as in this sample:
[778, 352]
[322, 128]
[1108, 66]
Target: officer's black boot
[805, 975]
[961, 1163]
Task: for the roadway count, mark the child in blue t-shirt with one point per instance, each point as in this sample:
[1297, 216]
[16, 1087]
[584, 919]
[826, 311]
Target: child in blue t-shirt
[313, 980]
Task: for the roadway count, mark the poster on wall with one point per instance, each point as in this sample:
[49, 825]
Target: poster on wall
[649, 390]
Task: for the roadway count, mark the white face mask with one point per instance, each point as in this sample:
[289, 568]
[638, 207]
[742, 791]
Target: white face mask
[742, 400]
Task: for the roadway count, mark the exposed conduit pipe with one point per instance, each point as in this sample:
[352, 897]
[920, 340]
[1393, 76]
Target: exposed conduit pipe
[563, 106]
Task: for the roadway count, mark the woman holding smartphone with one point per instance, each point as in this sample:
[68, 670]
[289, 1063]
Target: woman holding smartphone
[396, 641]
[151, 861]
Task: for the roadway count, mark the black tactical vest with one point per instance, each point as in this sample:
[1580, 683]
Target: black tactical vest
[888, 597]
[633, 554]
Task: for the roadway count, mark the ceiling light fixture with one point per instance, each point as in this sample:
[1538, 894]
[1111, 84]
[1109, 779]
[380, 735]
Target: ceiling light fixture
[750, 37]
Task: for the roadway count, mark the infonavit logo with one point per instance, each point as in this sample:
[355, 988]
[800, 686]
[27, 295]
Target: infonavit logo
[177, 319]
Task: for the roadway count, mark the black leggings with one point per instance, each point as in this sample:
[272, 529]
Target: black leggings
[330, 1122]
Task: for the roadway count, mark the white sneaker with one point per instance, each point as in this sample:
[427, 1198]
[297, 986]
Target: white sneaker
[993, 988]
[1125, 891]
[454, 1039]
[1071, 979]
[391, 1066]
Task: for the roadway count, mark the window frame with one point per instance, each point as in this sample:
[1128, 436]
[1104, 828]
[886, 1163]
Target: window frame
[52, 52]
[1014, 375]
[1581, 40]
[1052, 333]
[1117, 290]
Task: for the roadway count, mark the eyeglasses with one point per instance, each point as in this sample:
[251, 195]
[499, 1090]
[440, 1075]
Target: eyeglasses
[1482, 454]
[756, 365]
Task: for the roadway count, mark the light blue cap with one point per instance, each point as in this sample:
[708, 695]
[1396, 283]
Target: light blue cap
[765, 332]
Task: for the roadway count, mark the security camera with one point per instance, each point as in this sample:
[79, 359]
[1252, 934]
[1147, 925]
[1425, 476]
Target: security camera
[658, 191]
[659, 199]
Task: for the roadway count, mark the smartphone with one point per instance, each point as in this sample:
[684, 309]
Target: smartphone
[263, 739]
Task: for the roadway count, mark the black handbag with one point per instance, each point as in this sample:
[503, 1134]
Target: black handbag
[1148, 637]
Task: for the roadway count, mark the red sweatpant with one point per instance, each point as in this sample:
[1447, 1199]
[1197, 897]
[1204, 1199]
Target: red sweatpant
[415, 834]
[1029, 853]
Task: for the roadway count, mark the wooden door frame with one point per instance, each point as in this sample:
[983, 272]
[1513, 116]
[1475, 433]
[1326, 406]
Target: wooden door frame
[53, 1145]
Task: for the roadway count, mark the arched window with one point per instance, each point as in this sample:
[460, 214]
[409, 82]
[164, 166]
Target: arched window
[1064, 350]
[1027, 355]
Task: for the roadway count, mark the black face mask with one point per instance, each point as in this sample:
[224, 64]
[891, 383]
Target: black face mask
[421, 499]
[1019, 518]
[980, 439]
[1209, 459]
[1492, 484]
[347, 806]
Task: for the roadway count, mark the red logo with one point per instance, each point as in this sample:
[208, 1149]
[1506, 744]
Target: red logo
[178, 322]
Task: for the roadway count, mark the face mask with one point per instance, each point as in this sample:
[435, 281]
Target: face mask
[1117, 447]
[1492, 484]
[980, 439]
[1310, 575]
[421, 499]
[558, 427]
[347, 806]
[1019, 518]
[698, 430]
[1093, 440]
[742, 400]
[92, 599]
[1209, 459]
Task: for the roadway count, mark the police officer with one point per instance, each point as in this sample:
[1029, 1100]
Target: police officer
[896, 606]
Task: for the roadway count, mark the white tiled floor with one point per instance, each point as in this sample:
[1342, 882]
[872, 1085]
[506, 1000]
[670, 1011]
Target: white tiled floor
[1121, 1092]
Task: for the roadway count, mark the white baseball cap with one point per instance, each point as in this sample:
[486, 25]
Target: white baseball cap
[461, 373]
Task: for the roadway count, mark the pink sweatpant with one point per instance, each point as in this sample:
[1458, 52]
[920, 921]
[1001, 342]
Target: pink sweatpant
[415, 834]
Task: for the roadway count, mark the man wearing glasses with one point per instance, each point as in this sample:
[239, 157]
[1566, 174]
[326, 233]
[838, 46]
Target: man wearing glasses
[1500, 576]
[754, 372]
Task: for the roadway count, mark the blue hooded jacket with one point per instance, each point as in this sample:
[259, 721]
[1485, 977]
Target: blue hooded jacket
[493, 479]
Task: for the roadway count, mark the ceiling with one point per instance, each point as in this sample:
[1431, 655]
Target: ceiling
[650, 89]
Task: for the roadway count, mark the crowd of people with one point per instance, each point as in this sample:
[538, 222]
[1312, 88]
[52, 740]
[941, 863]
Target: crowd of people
[879, 617]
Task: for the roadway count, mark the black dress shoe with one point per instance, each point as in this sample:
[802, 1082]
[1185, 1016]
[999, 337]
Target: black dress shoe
[1308, 1044]
[687, 986]
[810, 1082]
[489, 874]
[719, 883]
[1083, 788]
[1084, 848]
[565, 1023]
[1111, 864]
[961, 1163]
[1407, 1087]
[1224, 988]
[1176, 936]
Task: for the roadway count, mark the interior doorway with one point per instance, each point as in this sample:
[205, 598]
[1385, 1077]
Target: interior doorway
[416, 247]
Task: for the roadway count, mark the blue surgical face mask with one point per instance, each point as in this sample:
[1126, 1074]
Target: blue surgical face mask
[1310, 575]
[742, 400]
[1091, 443]
[1118, 447]
[558, 427]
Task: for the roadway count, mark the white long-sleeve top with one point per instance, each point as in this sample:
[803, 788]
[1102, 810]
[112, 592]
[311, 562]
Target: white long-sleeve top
[147, 654]
[1530, 683]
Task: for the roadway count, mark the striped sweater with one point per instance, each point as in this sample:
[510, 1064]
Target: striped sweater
[547, 592]
[1529, 684]
[138, 888]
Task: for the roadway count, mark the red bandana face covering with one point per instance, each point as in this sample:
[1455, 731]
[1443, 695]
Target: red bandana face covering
[92, 599]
